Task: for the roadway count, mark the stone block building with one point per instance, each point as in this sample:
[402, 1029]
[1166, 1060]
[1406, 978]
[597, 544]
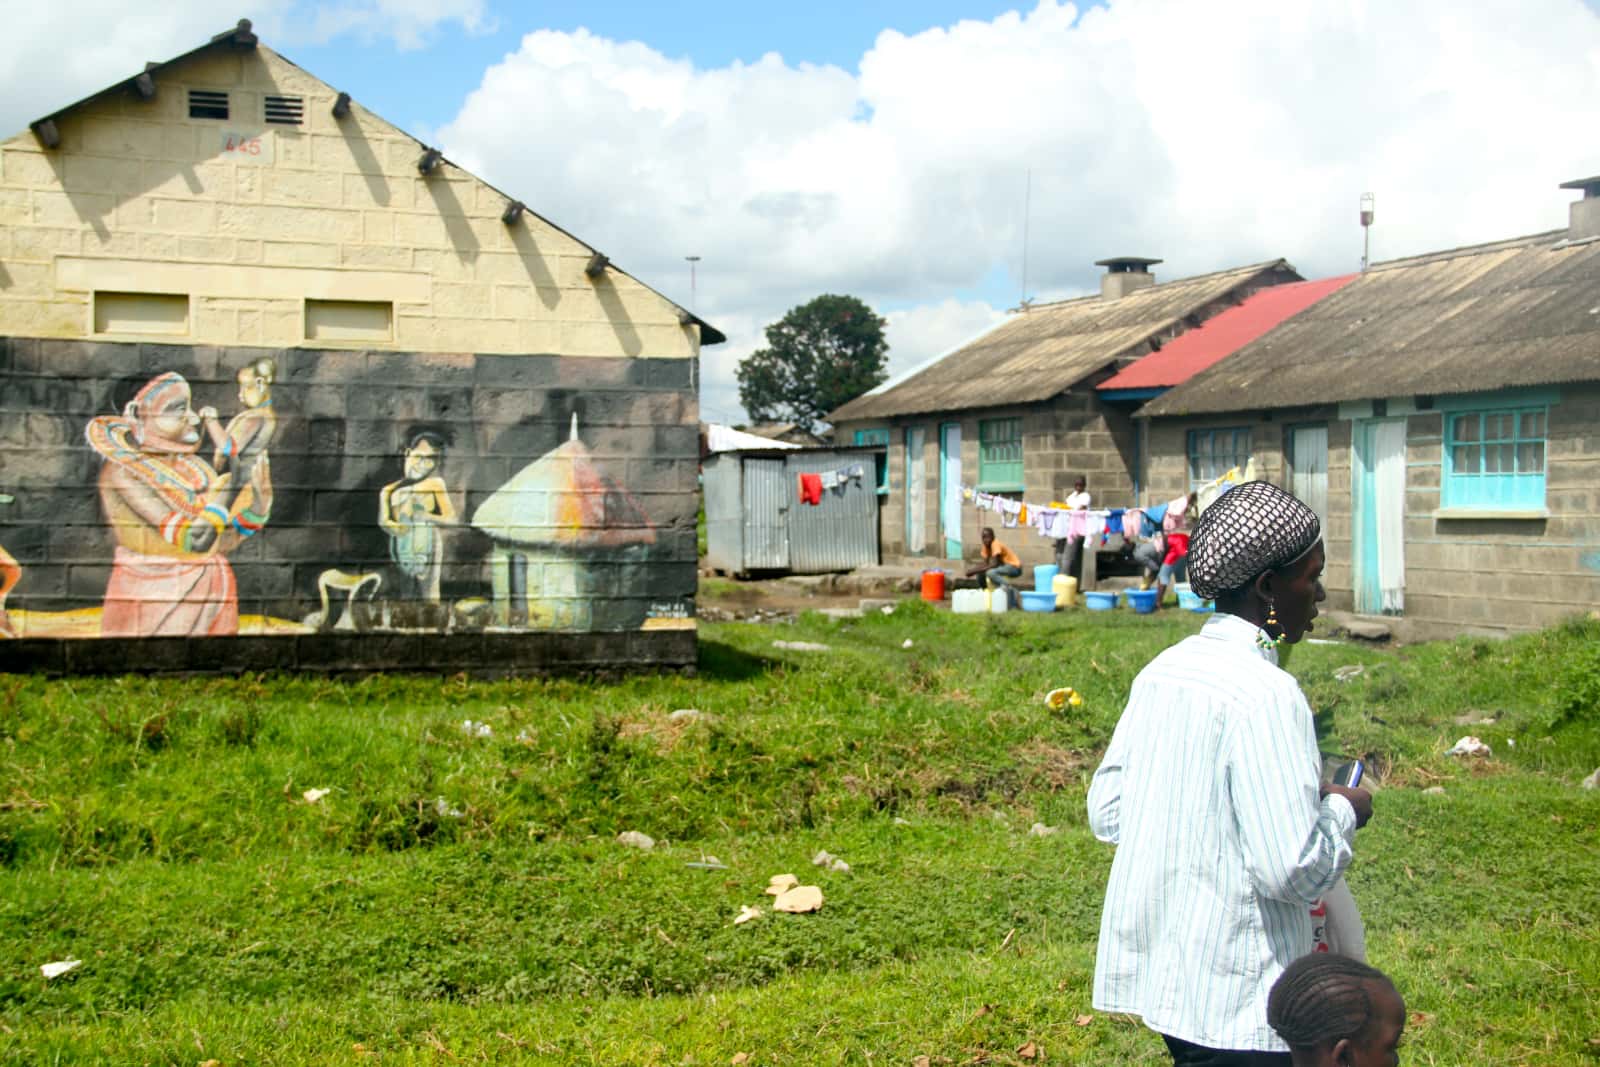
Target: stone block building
[1446, 410]
[270, 370]
[1018, 411]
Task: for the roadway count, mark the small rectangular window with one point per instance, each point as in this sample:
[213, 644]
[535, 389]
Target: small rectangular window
[155, 313]
[1213, 453]
[878, 437]
[1000, 455]
[208, 104]
[349, 320]
[285, 110]
[1494, 459]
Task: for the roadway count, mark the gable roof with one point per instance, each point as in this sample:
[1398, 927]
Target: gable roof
[1046, 350]
[1513, 313]
[242, 38]
[1222, 334]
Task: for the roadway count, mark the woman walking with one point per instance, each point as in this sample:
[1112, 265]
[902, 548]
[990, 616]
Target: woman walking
[1211, 792]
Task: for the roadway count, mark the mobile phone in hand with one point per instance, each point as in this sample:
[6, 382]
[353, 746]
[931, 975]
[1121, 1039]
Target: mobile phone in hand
[1350, 774]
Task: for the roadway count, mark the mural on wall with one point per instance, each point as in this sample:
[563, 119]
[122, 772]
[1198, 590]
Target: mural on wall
[175, 517]
[179, 521]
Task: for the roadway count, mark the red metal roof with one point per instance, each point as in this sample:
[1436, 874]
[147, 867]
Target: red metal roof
[1222, 335]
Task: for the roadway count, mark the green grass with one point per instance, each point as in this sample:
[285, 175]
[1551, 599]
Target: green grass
[156, 829]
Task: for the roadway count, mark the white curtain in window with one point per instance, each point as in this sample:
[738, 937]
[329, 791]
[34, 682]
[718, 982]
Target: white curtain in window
[1389, 448]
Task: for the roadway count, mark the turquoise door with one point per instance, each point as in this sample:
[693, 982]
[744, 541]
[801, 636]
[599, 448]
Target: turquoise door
[1378, 490]
[950, 488]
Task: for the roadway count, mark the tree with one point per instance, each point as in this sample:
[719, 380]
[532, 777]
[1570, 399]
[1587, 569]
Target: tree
[820, 355]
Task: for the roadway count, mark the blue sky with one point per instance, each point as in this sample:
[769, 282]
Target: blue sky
[423, 88]
[891, 165]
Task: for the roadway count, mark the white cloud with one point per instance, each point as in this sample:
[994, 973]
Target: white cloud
[1208, 134]
[54, 53]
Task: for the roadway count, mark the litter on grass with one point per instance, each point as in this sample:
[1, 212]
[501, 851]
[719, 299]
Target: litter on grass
[445, 810]
[802, 898]
[58, 968]
[1469, 746]
[687, 715]
[906, 643]
[476, 729]
[1039, 829]
[830, 861]
[707, 863]
[1345, 674]
[779, 884]
[311, 796]
[1593, 781]
[746, 913]
[1065, 697]
[634, 839]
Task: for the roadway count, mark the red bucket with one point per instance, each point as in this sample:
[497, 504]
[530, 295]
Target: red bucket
[933, 585]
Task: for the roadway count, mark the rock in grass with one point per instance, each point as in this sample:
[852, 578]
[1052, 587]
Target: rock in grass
[801, 646]
[1593, 781]
[634, 839]
[1433, 791]
[802, 898]
[1039, 829]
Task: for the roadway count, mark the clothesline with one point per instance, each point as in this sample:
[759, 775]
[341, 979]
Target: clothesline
[1059, 523]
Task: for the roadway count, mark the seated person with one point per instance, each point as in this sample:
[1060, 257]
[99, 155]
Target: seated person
[999, 563]
[1335, 1012]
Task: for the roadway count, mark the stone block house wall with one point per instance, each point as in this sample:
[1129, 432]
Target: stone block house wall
[1473, 574]
[478, 441]
[1075, 435]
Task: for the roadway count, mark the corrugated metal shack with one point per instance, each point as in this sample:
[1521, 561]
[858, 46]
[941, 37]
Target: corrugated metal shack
[756, 520]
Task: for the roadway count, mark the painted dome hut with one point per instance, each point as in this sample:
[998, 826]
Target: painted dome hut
[566, 538]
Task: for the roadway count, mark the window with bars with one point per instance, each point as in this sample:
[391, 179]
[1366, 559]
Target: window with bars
[285, 110]
[1213, 453]
[208, 104]
[878, 437]
[1494, 458]
[1000, 455]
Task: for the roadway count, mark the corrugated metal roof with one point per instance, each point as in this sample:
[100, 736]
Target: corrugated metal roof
[1513, 313]
[1222, 334]
[1042, 352]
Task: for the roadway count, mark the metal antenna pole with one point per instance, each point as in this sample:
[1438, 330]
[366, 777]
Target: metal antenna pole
[1027, 205]
[692, 261]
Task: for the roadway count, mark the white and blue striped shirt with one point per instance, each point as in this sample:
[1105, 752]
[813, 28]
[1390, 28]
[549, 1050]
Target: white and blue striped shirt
[1209, 790]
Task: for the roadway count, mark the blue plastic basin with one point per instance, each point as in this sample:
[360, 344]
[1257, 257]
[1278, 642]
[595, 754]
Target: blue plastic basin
[1099, 601]
[1035, 601]
[1142, 600]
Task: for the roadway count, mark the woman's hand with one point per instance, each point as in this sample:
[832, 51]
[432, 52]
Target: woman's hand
[1359, 799]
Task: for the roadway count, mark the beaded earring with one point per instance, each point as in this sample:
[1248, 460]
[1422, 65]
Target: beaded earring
[1272, 621]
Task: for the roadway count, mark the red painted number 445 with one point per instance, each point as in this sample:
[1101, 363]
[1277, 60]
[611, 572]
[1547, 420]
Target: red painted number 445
[248, 145]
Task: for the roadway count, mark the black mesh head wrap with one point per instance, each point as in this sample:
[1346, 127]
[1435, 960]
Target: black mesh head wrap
[1249, 530]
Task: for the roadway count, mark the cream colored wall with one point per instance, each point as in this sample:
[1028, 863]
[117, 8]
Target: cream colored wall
[141, 197]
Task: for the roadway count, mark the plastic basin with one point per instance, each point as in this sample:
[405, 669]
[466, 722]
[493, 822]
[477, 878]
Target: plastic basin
[1036, 601]
[1142, 601]
[1096, 601]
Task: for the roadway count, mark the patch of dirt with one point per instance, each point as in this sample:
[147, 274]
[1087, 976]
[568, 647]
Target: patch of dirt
[1051, 765]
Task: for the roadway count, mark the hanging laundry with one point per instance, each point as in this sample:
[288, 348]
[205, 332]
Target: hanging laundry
[1094, 524]
[1022, 516]
[1113, 524]
[1132, 523]
[1058, 524]
[1009, 510]
[811, 489]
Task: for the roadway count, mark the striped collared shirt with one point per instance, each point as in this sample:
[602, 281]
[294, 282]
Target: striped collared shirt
[1209, 790]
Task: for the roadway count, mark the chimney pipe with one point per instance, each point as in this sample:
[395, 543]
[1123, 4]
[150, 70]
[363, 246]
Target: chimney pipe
[1124, 274]
[1584, 215]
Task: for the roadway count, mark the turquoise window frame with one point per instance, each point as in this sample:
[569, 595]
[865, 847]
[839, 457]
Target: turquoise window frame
[1495, 451]
[1000, 455]
[878, 436]
[1205, 454]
